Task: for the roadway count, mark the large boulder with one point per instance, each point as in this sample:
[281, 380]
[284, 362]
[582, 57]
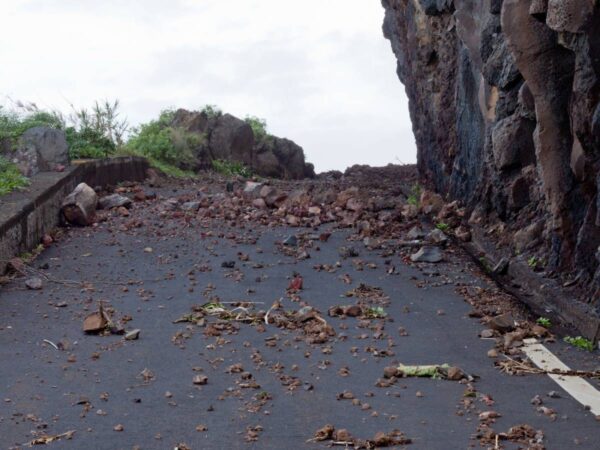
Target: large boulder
[229, 138]
[79, 207]
[281, 158]
[40, 149]
[232, 139]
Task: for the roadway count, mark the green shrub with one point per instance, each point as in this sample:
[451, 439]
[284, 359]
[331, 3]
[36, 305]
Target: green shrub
[442, 227]
[259, 127]
[544, 321]
[89, 143]
[580, 342]
[415, 195]
[10, 177]
[157, 139]
[13, 124]
[231, 168]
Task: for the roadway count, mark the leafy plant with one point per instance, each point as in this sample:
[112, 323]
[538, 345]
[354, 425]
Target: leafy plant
[443, 226]
[545, 322]
[486, 264]
[10, 177]
[157, 139]
[231, 168]
[533, 262]
[88, 143]
[259, 127]
[376, 312]
[212, 111]
[580, 342]
[415, 195]
[103, 119]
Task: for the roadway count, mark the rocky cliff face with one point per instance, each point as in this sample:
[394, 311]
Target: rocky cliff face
[226, 137]
[505, 103]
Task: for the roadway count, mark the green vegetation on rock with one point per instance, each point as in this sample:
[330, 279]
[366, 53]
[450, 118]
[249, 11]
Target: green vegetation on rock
[259, 127]
[231, 168]
[165, 146]
[212, 111]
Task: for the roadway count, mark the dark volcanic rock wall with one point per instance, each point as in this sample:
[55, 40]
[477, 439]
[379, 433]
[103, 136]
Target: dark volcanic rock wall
[504, 99]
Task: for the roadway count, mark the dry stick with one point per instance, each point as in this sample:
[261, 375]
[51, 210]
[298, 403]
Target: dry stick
[70, 282]
[566, 373]
[273, 306]
[51, 343]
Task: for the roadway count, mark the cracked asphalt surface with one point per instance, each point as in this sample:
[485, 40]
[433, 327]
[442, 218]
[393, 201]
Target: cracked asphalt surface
[157, 273]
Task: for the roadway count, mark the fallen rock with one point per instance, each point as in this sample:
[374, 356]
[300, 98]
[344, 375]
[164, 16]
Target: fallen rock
[431, 203]
[114, 201]
[427, 254]
[415, 232]
[437, 236]
[290, 241]
[34, 284]
[95, 322]
[191, 206]
[200, 380]
[132, 335]
[502, 323]
[79, 207]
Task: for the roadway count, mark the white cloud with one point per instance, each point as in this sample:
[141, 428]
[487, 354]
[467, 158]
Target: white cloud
[319, 71]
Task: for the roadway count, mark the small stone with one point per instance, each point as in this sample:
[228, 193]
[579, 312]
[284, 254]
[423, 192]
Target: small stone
[348, 252]
[191, 206]
[35, 284]
[502, 267]
[455, 374]
[487, 334]
[493, 353]
[553, 394]
[114, 201]
[390, 372]
[537, 401]
[259, 203]
[427, 254]
[132, 335]
[502, 323]
[118, 427]
[200, 380]
[353, 311]
[415, 233]
[290, 241]
[342, 435]
[437, 236]
[228, 264]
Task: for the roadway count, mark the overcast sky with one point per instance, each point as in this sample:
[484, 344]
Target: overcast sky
[319, 71]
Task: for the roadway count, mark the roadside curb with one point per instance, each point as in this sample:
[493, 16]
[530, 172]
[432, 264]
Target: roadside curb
[26, 216]
[544, 297]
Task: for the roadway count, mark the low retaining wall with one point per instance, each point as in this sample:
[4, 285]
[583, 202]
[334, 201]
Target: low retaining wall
[26, 216]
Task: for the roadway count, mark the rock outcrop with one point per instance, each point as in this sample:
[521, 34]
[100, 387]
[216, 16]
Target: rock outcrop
[505, 103]
[226, 137]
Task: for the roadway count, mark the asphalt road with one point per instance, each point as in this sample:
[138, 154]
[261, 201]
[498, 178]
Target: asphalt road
[97, 382]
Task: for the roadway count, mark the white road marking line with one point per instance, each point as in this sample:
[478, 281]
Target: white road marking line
[576, 387]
